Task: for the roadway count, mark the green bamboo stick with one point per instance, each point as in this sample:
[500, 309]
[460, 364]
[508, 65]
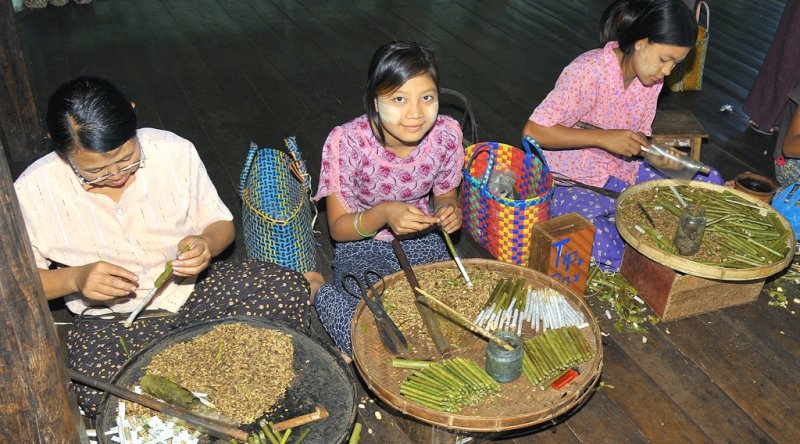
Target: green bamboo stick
[286, 435]
[268, 431]
[764, 247]
[410, 363]
[356, 435]
[581, 341]
[302, 436]
[536, 346]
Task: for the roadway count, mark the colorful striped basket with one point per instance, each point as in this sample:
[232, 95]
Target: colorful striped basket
[277, 213]
[501, 225]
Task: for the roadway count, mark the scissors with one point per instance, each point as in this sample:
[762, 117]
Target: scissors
[391, 337]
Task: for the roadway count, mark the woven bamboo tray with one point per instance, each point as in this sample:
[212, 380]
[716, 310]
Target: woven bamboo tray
[314, 361]
[518, 405]
[684, 265]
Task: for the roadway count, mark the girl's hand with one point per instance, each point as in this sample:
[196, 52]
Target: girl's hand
[404, 218]
[103, 281]
[195, 256]
[449, 218]
[622, 142]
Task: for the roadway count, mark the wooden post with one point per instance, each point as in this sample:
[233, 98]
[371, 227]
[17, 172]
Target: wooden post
[20, 127]
[34, 403]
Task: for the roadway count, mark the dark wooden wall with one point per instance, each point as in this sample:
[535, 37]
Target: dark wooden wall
[19, 122]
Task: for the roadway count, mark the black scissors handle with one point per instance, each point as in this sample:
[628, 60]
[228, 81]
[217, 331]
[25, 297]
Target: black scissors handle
[364, 284]
[390, 334]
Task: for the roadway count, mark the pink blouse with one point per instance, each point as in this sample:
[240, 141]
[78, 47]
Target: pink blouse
[361, 173]
[171, 198]
[591, 90]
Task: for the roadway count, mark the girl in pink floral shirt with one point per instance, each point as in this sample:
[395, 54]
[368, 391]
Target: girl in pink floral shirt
[395, 170]
[595, 121]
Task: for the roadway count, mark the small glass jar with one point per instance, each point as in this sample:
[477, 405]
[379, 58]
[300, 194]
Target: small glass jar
[501, 364]
[691, 226]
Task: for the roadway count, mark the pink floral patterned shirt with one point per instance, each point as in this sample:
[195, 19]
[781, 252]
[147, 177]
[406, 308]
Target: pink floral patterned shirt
[591, 90]
[361, 173]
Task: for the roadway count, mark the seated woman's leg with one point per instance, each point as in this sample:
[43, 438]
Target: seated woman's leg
[248, 288]
[423, 250]
[646, 172]
[599, 210]
[335, 306]
[98, 349]
[315, 281]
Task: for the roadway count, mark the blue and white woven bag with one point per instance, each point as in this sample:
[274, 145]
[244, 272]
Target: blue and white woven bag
[277, 212]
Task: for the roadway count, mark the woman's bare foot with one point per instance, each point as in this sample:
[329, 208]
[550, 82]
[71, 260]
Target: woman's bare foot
[315, 280]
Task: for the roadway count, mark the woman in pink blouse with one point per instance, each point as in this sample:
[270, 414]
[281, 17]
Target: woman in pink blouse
[599, 115]
[394, 170]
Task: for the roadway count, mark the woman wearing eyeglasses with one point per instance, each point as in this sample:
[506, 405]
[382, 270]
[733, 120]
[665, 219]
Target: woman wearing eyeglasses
[109, 207]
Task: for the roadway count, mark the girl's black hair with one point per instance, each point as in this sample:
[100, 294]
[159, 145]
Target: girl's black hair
[91, 114]
[669, 22]
[393, 64]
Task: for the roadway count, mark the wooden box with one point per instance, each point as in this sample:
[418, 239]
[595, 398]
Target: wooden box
[673, 295]
[562, 249]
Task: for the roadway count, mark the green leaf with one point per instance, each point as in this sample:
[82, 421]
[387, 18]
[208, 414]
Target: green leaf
[164, 274]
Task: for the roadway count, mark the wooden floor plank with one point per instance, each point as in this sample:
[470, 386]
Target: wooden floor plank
[767, 341]
[764, 398]
[600, 420]
[379, 425]
[776, 324]
[682, 380]
[657, 416]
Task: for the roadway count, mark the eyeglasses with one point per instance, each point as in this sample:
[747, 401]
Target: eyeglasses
[131, 166]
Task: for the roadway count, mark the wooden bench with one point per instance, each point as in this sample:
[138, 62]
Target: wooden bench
[679, 129]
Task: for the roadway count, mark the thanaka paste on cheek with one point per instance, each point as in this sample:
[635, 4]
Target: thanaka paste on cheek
[391, 115]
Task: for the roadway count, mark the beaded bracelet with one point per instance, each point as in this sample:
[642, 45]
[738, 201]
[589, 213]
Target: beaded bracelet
[357, 221]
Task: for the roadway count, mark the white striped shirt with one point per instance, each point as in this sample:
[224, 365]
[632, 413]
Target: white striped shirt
[171, 198]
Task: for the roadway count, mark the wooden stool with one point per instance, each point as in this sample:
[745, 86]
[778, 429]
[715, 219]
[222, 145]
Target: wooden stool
[680, 129]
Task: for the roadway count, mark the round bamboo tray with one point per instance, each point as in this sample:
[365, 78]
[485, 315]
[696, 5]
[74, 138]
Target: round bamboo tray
[517, 405]
[684, 265]
[321, 379]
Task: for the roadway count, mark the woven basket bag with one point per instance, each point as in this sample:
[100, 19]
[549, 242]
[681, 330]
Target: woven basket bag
[501, 225]
[688, 75]
[277, 212]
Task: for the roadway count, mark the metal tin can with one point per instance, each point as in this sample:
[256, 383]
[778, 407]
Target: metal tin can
[501, 364]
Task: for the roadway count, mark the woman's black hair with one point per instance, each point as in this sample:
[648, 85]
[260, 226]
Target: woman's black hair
[669, 22]
[393, 64]
[91, 114]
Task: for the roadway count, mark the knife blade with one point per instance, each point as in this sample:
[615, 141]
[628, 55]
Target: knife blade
[646, 214]
[160, 280]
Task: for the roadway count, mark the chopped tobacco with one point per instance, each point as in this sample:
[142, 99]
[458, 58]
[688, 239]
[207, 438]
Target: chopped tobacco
[778, 296]
[616, 293]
